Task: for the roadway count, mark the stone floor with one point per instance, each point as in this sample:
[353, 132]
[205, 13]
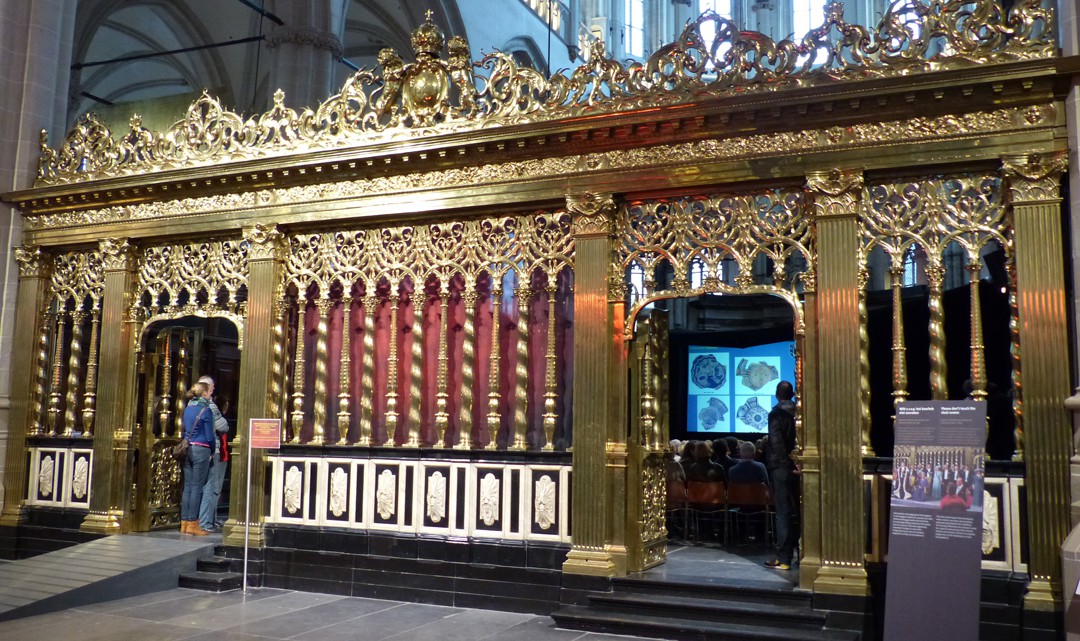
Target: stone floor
[272, 614]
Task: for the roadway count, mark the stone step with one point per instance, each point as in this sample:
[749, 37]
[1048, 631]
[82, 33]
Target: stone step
[212, 581]
[685, 629]
[800, 617]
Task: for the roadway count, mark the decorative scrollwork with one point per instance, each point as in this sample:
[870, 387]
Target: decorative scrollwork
[716, 234]
[207, 275]
[711, 57]
[78, 278]
[33, 262]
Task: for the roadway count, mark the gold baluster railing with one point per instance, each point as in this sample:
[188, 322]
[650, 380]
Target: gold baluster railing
[90, 393]
[416, 368]
[392, 378]
[442, 418]
[166, 382]
[54, 388]
[978, 357]
[550, 415]
[468, 368]
[935, 279]
[344, 417]
[899, 349]
[322, 357]
[299, 376]
[493, 373]
[37, 427]
[367, 377]
[75, 373]
[521, 372]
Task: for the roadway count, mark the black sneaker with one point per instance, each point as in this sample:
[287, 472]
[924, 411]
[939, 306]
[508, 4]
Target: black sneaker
[777, 565]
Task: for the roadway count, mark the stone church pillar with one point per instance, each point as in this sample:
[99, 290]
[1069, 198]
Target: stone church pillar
[36, 55]
[305, 50]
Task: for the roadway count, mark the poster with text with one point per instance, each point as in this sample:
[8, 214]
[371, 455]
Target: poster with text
[935, 523]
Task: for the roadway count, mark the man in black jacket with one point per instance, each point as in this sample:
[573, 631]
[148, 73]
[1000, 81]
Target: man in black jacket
[785, 481]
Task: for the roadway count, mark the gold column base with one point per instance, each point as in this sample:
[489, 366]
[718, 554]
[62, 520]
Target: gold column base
[835, 579]
[106, 524]
[591, 562]
[809, 567]
[13, 515]
[233, 534]
[1043, 595]
[620, 558]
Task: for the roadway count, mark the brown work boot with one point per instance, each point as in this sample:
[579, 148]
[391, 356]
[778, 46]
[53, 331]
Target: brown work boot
[195, 529]
[183, 527]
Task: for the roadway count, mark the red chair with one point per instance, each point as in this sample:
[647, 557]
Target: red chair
[748, 502]
[707, 498]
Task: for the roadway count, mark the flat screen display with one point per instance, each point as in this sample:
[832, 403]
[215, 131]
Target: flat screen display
[730, 390]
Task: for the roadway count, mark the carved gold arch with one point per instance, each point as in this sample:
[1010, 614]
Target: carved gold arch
[740, 228]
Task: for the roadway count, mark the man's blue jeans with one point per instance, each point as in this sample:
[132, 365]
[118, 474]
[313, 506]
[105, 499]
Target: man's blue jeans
[212, 492]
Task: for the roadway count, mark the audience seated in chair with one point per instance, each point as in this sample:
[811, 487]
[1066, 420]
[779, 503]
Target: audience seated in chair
[747, 470]
[703, 469]
[720, 454]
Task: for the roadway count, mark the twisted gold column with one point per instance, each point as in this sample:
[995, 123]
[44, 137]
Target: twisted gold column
[1014, 352]
[978, 358]
[935, 280]
[521, 372]
[416, 369]
[37, 402]
[54, 388]
[864, 366]
[279, 374]
[75, 365]
[392, 378]
[182, 386]
[899, 349]
[344, 417]
[90, 393]
[299, 369]
[493, 373]
[367, 377]
[442, 419]
[468, 368]
[166, 383]
[322, 362]
[549, 370]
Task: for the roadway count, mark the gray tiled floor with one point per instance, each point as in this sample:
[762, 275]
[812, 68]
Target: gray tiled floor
[269, 614]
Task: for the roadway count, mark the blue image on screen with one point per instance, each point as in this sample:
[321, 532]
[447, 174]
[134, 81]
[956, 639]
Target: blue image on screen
[732, 389]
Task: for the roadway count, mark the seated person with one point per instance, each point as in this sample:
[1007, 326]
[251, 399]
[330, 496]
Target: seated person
[703, 469]
[955, 501]
[720, 454]
[747, 470]
[686, 458]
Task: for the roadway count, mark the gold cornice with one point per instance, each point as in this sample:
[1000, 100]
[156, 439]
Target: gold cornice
[431, 96]
[563, 170]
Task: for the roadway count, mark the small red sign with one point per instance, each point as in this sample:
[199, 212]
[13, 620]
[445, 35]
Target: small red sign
[266, 433]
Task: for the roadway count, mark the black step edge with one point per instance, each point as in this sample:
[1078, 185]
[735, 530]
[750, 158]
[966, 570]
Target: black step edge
[733, 589]
[689, 607]
[581, 618]
[211, 581]
[213, 564]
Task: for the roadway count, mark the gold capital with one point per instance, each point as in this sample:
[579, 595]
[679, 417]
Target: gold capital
[265, 242]
[117, 254]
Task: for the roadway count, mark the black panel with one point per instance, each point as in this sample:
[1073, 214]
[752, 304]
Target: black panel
[515, 500]
[534, 527]
[496, 524]
[344, 517]
[313, 491]
[461, 478]
[443, 523]
[410, 495]
[377, 518]
[358, 491]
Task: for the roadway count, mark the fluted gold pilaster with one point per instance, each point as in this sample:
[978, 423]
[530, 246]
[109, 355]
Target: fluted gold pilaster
[899, 349]
[265, 278]
[75, 373]
[27, 355]
[521, 371]
[392, 377]
[54, 388]
[442, 418]
[836, 200]
[322, 367]
[416, 369]
[367, 377]
[935, 280]
[90, 392]
[468, 368]
[1034, 195]
[493, 372]
[299, 376]
[114, 448]
[549, 370]
[810, 517]
[344, 417]
[978, 358]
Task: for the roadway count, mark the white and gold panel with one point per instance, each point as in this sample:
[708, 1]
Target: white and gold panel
[60, 477]
[480, 500]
